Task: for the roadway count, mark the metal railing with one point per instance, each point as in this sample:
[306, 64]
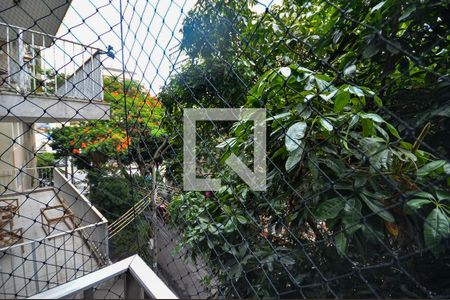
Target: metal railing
[62, 255]
[37, 63]
[52, 261]
[16, 180]
[139, 282]
[43, 176]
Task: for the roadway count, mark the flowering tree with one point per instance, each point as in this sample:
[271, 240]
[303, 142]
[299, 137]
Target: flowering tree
[106, 149]
[132, 134]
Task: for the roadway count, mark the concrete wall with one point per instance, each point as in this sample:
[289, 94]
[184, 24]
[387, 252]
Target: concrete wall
[185, 277]
[50, 109]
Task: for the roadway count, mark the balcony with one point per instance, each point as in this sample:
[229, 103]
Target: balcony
[130, 278]
[49, 79]
[49, 235]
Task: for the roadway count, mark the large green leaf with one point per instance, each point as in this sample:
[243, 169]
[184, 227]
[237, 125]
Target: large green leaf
[330, 208]
[294, 135]
[436, 228]
[430, 167]
[417, 203]
[378, 6]
[447, 169]
[372, 116]
[294, 157]
[242, 219]
[326, 124]
[352, 212]
[442, 195]
[287, 260]
[379, 210]
[341, 100]
[393, 130]
[423, 195]
[341, 243]
[407, 12]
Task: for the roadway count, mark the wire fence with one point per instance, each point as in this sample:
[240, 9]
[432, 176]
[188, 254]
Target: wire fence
[96, 98]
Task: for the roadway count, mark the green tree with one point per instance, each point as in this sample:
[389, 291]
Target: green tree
[349, 186]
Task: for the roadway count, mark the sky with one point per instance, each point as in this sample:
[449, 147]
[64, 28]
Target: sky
[151, 30]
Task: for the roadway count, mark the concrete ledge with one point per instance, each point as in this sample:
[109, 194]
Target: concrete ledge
[48, 109]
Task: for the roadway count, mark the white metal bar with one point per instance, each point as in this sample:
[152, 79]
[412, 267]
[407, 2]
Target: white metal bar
[3, 280]
[55, 255]
[65, 258]
[74, 256]
[55, 68]
[65, 69]
[83, 262]
[13, 267]
[21, 56]
[8, 55]
[25, 281]
[83, 70]
[46, 265]
[43, 65]
[35, 270]
[92, 77]
[73, 89]
[45, 34]
[33, 63]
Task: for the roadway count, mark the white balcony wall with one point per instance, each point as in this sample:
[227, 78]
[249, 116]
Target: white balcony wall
[86, 214]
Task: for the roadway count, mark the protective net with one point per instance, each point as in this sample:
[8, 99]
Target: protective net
[125, 129]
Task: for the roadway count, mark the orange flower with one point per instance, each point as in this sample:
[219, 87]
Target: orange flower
[115, 94]
[140, 120]
[118, 147]
[83, 145]
[76, 151]
[264, 233]
[71, 143]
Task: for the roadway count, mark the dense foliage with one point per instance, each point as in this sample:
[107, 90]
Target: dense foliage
[354, 195]
[45, 159]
